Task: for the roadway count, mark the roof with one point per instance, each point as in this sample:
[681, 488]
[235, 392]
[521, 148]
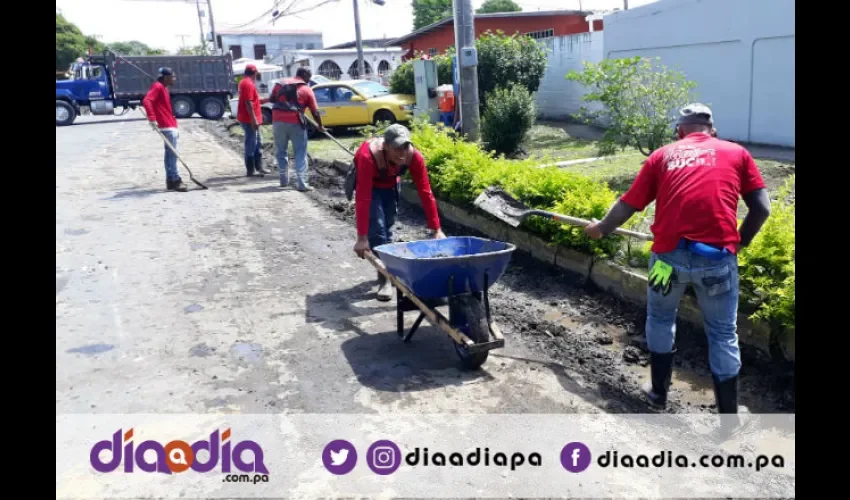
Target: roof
[372, 42]
[264, 31]
[531, 13]
[366, 50]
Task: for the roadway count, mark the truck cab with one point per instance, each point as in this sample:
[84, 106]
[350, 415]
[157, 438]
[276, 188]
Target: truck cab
[88, 89]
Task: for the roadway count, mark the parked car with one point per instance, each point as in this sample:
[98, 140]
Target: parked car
[354, 103]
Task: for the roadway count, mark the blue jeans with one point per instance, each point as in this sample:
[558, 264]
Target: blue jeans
[283, 134]
[716, 287]
[170, 158]
[382, 215]
[253, 142]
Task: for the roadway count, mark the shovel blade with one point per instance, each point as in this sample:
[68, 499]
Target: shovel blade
[501, 205]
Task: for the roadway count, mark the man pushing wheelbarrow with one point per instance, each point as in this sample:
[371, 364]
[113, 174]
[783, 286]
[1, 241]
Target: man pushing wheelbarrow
[380, 162]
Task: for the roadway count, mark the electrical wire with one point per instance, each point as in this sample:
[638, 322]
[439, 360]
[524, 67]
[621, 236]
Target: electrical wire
[288, 10]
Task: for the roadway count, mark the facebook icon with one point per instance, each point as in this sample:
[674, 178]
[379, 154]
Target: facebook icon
[575, 457]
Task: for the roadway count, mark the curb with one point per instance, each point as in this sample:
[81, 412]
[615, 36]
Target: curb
[608, 276]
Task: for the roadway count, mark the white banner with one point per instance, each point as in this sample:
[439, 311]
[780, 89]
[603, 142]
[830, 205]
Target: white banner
[422, 455]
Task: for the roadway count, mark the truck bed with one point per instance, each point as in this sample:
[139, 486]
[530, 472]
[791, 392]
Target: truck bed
[194, 74]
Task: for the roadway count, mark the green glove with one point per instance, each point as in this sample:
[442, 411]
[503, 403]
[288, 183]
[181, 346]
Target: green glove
[661, 277]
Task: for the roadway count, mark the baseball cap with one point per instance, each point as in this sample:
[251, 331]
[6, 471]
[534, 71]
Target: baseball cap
[695, 114]
[397, 135]
[251, 68]
[165, 71]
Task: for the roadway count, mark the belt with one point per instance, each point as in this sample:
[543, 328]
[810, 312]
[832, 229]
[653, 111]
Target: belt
[703, 250]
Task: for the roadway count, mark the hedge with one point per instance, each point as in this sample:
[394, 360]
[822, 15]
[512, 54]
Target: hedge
[460, 171]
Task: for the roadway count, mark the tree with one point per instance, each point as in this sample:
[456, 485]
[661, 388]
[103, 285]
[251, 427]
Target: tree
[71, 43]
[427, 12]
[134, 48]
[636, 99]
[491, 6]
[197, 50]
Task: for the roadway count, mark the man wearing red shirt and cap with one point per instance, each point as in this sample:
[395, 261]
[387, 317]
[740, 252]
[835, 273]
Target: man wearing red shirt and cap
[696, 183]
[380, 163]
[250, 116]
[157, 104]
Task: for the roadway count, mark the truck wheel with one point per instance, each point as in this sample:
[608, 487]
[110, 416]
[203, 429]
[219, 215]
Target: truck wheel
[65, 114]
[212, 108]
[384, 116]
[183, 106]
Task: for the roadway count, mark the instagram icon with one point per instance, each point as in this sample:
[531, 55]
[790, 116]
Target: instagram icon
[383, 457]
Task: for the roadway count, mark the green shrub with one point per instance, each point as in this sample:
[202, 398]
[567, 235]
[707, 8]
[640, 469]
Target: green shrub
[768, 265]
[508, 116]
[402, 81]
[504, 60]
[460, 171]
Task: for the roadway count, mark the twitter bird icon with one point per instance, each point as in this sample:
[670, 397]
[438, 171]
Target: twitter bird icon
[339, 457]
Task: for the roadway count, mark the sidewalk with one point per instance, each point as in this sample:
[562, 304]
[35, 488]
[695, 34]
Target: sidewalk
[761, 151]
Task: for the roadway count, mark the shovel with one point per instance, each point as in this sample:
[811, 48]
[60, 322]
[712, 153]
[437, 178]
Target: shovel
[504, 207]
[170, 147]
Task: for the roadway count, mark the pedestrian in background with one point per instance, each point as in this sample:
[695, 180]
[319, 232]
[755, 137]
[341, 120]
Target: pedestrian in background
[290, 97]
[250, 116]
[696, 183]
[157, 104]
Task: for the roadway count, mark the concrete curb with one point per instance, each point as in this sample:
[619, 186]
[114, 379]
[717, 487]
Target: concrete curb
[608, 276]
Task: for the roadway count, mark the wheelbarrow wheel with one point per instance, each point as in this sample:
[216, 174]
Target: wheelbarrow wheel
[472, 310]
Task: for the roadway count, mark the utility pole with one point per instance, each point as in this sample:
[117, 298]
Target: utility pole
[464, 20]
[182, 40]
[201, 26]
[625, 4]
[361, 70]
[212, 28]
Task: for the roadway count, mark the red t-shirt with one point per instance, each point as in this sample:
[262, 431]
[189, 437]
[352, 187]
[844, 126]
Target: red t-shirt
[368, 177]
[306, 99]
[696, 184]
[157, 104]
[248, 92]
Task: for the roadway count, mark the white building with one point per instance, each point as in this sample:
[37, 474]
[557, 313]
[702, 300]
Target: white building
[260, 43]
[341, 64]
[741, 54]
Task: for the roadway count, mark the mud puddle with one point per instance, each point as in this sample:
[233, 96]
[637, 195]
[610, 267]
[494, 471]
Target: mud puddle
[581, 329]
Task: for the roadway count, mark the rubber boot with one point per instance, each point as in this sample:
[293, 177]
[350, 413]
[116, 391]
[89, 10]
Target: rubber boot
[249, 166]
[726, 398]
[258, 165]
[661, 374]
[176, 185]
[385, 288]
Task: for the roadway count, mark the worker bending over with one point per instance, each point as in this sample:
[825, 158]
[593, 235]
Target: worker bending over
[696, 183]
[380, 163]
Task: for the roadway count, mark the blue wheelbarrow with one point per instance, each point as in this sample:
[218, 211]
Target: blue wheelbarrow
[455, 272]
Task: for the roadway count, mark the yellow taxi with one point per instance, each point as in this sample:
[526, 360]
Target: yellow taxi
[353, 103]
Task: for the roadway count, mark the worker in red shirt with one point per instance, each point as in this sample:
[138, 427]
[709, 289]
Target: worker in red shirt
[249, 115]
[380, 163]
[696, 183]
[290, 97]
[157, 104]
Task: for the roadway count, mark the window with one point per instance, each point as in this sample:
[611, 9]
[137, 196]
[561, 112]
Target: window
[383, 67]
[540, 34]
[259, 52]
[299, 46]
[96, 73]
[432, 52]
[342, 94]
[323, 96]
[311, 46]
[237, 51]
[330, 69]
[371, 89]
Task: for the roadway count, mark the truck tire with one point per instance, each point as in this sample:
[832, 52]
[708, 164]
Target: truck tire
[183, 106]
[212, 108]
[65, 114]
[383, 115]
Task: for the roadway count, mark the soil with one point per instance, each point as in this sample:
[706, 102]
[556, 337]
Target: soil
[569, 323]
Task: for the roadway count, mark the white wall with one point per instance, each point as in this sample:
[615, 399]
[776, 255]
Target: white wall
[739, 52]
[558, 98]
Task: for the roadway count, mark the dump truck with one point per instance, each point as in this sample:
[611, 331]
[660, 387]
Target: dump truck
[101, 83]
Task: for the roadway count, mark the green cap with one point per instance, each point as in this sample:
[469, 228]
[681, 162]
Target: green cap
[397, 135]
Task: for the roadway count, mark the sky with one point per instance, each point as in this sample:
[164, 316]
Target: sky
[168, 24]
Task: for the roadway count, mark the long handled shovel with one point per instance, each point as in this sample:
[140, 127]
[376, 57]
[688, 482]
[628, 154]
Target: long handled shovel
[312, 122]
[169, 146]
[504, 207]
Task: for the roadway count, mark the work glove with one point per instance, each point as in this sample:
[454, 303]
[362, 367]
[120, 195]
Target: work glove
[661, 277]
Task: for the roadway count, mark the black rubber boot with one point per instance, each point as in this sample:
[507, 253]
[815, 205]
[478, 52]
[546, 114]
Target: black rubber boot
[726, 398]
[176, 185]
[661, 373]
[258, 165]
[249, 166]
